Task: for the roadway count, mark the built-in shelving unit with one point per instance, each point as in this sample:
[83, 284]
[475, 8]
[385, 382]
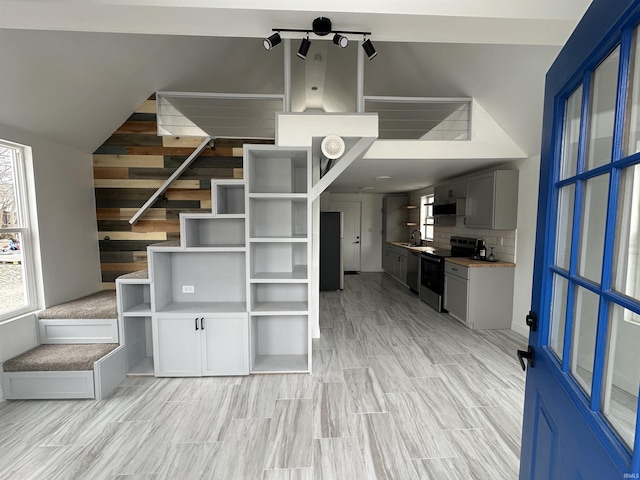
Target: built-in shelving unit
[279, 257]
[232, 297]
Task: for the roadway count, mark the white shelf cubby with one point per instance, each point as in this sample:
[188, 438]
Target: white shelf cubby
[138, 344]
[228, 197]
[280, 344]
[279, 261]
[218, 281]
[280, 298]
[276, 169]
[135, 299]
[206, 231]
[278, 218]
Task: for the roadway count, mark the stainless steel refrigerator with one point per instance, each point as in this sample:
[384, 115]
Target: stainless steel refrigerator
[331, 262]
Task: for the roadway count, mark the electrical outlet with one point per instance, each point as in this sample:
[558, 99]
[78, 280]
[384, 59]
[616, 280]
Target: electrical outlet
[188, 289]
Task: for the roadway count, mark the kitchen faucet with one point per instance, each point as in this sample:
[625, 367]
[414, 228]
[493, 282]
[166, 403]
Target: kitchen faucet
[419, 242]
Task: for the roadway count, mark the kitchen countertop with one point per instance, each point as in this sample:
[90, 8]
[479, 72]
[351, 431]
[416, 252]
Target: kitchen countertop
[470, 263]
[413, 249]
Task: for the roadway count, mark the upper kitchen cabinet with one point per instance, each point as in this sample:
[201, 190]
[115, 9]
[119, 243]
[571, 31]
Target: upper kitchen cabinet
[492, 200]
[449, 192]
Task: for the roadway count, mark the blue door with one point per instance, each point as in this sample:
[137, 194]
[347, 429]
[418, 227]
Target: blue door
[581, 401]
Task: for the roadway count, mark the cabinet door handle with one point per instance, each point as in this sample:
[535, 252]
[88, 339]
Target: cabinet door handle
[454, 269]
[202, 323]
[196, 323]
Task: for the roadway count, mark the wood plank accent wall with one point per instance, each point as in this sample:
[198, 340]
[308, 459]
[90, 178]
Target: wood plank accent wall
[129, 167]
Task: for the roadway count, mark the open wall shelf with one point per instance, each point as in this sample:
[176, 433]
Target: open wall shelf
[279, 261]
[205, 231]
[277, 170]
[279, 344]
[280, 298]
[193, 282]
[278, 218]
[228, 197]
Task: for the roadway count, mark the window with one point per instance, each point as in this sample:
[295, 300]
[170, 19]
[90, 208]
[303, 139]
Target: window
[426, 217]
[16, 280]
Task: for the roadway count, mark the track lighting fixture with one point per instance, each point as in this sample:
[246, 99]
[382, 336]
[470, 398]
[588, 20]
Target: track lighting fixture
[304, 48]
[369, 49]
[340, 40]
[321, 27]
[272, 41]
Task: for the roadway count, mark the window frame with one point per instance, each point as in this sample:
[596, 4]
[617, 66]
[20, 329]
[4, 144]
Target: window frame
[426, 216]
[24, 228]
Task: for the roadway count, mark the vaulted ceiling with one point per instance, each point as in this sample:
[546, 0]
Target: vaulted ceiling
[73, 70]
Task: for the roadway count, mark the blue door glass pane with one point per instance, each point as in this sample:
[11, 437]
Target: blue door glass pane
[585, 321]
[626, 274]
[594, 214]
[558, 314]
[565, 225]
[601, 113]
[623, 373]
[571, 134]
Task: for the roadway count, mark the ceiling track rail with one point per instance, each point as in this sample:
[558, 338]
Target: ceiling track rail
[163, 188]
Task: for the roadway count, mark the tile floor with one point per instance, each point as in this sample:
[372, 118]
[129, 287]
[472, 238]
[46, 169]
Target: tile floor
[398, 391]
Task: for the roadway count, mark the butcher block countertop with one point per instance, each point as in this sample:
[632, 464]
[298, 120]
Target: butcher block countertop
[470, 263]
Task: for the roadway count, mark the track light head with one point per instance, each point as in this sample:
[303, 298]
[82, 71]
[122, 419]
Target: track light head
[272, 41]
[321, 26]
[340, 40]
[304, 48]
[369, 49]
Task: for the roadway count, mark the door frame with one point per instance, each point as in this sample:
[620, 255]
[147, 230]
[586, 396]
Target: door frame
[332, 209]
[609, 23]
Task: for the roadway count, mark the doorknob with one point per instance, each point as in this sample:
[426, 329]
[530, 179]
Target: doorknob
[529, 354]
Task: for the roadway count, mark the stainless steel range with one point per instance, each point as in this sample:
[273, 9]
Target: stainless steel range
[432, 269]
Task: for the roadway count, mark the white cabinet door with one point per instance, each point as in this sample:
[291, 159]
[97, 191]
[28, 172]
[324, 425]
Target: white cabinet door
[225, 344]
[456, 296]
[176, 346]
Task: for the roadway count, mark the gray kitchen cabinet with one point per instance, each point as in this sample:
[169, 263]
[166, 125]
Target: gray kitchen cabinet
[492, 200]
[203, 345]
[481, 296]
[449, 192]
[395, 262]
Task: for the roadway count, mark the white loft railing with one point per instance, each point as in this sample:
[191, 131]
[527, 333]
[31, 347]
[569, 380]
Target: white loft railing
[217, 115]
[421, 118]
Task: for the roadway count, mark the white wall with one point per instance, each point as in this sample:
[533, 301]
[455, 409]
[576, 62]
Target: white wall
[370, 226]
[66, 217]
[17, 336]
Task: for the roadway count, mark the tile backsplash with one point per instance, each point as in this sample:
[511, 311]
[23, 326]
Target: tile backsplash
[502, 241]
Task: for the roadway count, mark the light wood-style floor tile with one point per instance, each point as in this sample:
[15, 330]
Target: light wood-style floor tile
[331, 414]
[384, 453]
[365, 394]
[288, 474]
[290, 436]
[338, 459]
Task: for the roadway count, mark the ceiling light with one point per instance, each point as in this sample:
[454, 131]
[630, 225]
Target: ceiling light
[340, 40]
[321, 26]
[382, 178]
[304, 48]
[272, 41]
[369, 49]
[332, 146]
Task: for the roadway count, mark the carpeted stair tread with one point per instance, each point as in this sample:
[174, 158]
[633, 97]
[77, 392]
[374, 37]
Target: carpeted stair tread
[98, 305]
[59, 358]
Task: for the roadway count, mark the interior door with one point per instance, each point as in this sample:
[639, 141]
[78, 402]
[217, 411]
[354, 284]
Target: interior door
[581, 399]
[351, 242]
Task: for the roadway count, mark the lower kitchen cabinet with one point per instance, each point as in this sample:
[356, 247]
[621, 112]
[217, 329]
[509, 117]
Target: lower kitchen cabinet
[395, 262]
[481, 296]
[201, 345]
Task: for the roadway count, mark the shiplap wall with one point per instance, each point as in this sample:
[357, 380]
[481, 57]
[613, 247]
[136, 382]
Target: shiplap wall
[128, 169]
